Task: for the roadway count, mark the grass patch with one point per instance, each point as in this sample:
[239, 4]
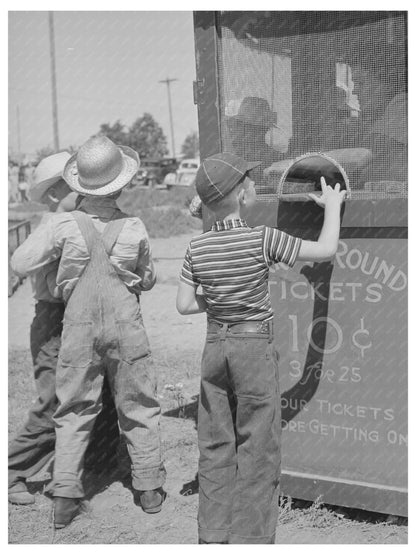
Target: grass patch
[167, 223]
[317, 514]
[22, 390]
[140, 198]
[29, 206]
[163, 212]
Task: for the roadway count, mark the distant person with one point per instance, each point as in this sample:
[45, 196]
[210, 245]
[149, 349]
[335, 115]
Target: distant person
[14, 180]
[239, 418]
[248, 129]
[29, 173]
[23, 185]
[34, 445]
[105, 263]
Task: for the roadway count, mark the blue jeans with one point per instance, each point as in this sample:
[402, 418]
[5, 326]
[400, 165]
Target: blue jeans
[239, 430]
[33, 447]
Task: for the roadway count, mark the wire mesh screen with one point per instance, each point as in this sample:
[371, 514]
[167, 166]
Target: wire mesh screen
[293, 83]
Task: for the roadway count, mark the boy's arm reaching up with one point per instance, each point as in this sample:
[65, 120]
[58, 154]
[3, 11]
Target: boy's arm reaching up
[188, 301]
[326, 246]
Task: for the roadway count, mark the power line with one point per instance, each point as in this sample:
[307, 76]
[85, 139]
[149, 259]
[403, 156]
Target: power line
[53, 82]
[18, 129]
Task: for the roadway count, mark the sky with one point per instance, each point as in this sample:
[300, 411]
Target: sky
[108, 68]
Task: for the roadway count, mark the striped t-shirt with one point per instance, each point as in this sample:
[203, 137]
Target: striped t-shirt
[231, 263]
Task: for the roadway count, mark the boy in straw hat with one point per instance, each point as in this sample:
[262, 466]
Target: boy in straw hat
[105, 263]
[34, 445]
[239, 409]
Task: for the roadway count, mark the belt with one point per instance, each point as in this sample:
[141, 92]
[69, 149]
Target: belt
[265, 327]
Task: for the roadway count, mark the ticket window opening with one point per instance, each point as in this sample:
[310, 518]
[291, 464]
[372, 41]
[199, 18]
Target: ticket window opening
[297, 178]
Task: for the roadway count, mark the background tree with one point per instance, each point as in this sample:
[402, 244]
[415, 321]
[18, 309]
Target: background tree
[190, 147]
[146, 137]
[116, 132]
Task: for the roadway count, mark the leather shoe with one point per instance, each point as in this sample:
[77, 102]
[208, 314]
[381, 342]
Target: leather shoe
[21, 498]
[65, 510]
[151, 500]
[203, 541]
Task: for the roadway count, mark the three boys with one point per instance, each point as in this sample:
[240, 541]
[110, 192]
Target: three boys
[239, 412]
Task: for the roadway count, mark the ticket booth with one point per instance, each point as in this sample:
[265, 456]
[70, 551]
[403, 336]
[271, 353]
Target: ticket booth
[310, 94]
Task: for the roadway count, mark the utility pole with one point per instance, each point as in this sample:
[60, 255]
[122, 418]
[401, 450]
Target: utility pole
[168, 81]
[53, 82]
[18, 130]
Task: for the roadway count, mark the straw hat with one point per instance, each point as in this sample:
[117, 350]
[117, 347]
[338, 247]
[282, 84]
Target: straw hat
[48, 172]
[101, 168]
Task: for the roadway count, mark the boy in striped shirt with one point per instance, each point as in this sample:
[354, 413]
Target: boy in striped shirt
[239, 424]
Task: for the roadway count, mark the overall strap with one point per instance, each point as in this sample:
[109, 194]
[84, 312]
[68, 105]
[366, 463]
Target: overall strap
[100, 290]
[87, 228]
[111, 232]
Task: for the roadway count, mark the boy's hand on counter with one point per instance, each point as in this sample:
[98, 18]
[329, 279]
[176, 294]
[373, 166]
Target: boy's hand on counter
[329, 195]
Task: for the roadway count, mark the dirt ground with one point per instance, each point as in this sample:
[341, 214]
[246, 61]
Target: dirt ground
[110, 514]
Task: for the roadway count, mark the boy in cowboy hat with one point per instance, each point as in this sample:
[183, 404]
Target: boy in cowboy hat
[239, 408]
[34, 445]
[105, 263]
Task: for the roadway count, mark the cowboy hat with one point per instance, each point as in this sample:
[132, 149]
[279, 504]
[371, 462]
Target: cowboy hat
[101, 168]
[256, 111]
[47, 173]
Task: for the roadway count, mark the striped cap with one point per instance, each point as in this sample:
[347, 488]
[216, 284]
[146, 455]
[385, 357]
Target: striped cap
[218, 175]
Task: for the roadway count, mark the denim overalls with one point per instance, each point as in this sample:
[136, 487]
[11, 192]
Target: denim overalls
[103, 334]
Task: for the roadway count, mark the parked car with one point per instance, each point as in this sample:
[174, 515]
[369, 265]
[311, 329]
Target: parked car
[185, 175]
[148, 173]
[153, 170]
[168, 165]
